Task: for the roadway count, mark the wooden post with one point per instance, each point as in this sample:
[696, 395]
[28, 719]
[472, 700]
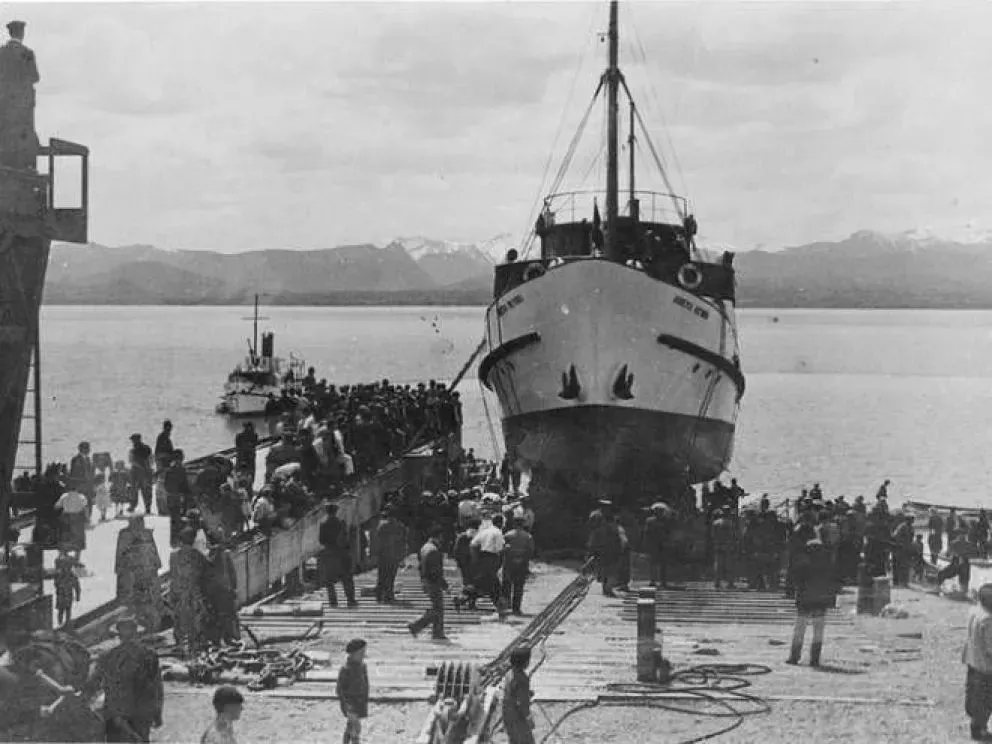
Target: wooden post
[881, 593]
[645, 640]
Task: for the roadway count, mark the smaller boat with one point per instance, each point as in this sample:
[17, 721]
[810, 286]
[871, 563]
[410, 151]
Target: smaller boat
[258, 377]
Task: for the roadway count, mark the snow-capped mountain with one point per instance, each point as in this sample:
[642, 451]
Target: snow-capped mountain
[492, 250]
[449, 262]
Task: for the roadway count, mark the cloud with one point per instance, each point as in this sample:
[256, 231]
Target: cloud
[259, 125]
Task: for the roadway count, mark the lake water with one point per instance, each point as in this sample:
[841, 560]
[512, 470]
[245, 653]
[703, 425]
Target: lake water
[844, 397]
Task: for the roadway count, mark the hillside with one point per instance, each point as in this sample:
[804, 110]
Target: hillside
[867, 269]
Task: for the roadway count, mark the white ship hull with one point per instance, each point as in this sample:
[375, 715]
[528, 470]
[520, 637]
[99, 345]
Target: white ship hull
[600, 317]
[244, 403]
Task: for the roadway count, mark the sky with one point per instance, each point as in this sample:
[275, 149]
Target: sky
[232, 127]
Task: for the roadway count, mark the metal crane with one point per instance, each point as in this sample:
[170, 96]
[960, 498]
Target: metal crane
[32, 215]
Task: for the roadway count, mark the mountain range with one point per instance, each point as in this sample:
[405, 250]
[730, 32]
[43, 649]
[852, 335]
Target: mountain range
[866, 269]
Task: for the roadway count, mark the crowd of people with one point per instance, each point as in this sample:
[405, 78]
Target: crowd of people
[329, 439]
[720, 536]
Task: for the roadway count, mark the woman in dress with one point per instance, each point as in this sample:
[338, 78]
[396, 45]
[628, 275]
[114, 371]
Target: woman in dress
[189, 608]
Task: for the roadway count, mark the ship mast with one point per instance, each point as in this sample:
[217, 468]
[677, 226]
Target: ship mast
[633, 206]
[254, 348]
[613, 137]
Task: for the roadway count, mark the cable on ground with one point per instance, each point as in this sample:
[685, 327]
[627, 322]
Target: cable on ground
[718, 685]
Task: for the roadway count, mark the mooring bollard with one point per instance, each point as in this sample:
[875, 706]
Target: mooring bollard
[646, 646]
[866, 590]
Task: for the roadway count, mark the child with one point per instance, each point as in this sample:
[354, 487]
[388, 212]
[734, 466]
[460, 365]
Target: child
[227, 703]
[517, 720]
[101, 491]
[67, 586]
[120, 488]
[353, 690]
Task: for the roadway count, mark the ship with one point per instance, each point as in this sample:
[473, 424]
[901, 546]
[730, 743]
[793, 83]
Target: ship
[259, 377]
[614, 352]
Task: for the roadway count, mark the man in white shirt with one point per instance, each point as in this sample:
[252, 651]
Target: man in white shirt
[487, 547]
[977, 655]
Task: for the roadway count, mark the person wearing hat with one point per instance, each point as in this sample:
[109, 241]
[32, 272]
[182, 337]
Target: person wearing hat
[178, 494]
[72, 507]
[336, 557]
[517, 554]
[816, 591]
[654, 543]
[82, 476]
[935, 538]
[517, 720]
[227, 705]
[977, 657]
[281, 453]
[605, 546]
[353, 690]
[164, 451]
[187, 572]
[724, 539]
[144, 597]
[802, 533]
[139, 457]
[525, 514]
[434, 585]
[18, 76]
[391, 549]
[130, 679]
[245, 446]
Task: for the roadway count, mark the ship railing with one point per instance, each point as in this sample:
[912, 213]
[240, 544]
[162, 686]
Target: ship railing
[653, 206]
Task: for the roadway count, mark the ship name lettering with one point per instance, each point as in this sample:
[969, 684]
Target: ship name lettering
[698, 311]
[511, 303]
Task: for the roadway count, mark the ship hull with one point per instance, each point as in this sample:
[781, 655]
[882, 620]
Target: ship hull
[611, 323]
[606, 449]
[244, 403]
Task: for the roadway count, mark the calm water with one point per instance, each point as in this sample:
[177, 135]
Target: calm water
[846, 398]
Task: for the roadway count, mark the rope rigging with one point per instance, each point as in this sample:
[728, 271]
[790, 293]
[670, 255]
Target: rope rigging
[527, 232]
[654, 152]
[465, 368]
[639, 55]
[655, 107]
[489, 422]
[569, 154]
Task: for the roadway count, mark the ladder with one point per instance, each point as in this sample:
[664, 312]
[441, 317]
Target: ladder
[34, 415]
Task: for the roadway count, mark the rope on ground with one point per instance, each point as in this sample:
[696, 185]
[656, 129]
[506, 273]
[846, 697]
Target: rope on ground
[719, 685]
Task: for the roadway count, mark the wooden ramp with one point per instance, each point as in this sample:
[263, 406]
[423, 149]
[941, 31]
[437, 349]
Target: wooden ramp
[595, 646]
[398, 663]
[700, 603]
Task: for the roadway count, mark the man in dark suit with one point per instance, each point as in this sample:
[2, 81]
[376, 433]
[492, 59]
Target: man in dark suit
[18, 75]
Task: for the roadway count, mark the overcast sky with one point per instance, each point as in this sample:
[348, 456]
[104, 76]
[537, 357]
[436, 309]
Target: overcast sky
[235, 127]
